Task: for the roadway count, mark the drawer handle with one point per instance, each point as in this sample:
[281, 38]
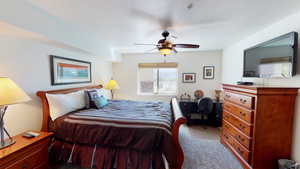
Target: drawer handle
[240, 138]
[240, 151]
[227, 95]
[242, 113]
[243, 101]
[242, 126]
[24, 166]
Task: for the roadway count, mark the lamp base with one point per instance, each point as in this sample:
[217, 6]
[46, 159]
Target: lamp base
[4, 142]
[7, 143]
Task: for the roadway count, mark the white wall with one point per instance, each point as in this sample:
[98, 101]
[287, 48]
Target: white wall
[27, 63]
[33, 19]
[233, 65]
[125, 73]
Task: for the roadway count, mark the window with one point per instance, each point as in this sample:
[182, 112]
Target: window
[161, 81]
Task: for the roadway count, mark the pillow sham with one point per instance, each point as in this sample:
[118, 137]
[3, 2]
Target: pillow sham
[100, 101]
[88, 95]
[61, 104]
[101, 92]
[95, 99]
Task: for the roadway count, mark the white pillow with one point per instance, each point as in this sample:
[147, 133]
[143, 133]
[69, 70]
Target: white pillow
[77, 99]
[61, 104]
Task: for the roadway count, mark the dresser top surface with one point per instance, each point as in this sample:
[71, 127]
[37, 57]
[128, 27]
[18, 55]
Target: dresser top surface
[22, 142]
[255, 87]
[262, 90]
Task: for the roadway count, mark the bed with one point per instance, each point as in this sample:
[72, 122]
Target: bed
[124, 135]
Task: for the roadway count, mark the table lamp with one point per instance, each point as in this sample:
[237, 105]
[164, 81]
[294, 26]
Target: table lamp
[112, 85]
[10, 94]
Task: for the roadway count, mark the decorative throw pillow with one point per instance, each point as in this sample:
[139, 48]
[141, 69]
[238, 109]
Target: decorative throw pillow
[95, 100]
[101, 92]
[100, 101]
[89, 101]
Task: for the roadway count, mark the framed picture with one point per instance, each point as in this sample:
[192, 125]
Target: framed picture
[69, 71]
[189, 77]
[208, 72]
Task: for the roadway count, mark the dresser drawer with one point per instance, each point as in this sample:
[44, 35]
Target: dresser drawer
[242, 113]
[242, 151]
[241, 138]
[31, 160]
[242, 126]
[243, 100]
[225, 135]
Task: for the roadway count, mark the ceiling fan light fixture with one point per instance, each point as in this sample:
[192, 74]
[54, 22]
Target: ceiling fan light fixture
[167, 47]
[165, 51]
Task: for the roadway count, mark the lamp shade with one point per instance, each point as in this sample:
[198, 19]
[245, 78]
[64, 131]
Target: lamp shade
[10, 93]
[111, 85]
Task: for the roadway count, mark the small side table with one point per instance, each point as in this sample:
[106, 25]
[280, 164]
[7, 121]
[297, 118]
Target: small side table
[188, 107]
[26, 153]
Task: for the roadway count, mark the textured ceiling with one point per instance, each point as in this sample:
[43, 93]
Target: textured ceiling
[213, 24]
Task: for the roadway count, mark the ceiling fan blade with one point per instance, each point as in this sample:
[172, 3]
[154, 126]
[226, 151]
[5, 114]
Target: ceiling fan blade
[145, 44]
[175, 37]
[186, 46]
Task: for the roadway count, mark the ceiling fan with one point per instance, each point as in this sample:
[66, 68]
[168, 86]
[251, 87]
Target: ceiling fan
[166, 47]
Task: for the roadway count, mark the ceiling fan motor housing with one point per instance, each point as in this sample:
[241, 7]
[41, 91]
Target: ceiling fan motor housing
[164, 44]
[165, 34]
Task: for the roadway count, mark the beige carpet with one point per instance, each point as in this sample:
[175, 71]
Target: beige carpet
[202, 150]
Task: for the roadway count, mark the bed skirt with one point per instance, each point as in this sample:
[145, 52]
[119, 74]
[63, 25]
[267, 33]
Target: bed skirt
[104, 157]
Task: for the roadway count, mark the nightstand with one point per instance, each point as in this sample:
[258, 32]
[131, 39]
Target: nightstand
[188, 108]
[26, 153]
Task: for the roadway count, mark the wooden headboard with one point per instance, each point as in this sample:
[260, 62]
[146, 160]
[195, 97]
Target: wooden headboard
[45, 105]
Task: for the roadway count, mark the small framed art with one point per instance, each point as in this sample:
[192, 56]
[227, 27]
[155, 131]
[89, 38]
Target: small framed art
[69, 71]
[189, 77]
[208, 72]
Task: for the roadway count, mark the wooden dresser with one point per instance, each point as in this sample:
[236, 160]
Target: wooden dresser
[26, 153]
[258, 124]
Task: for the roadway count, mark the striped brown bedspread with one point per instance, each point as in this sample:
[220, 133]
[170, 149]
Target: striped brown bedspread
[132, 125]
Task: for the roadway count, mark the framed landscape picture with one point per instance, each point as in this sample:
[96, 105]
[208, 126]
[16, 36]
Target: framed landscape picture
[69, 71]
[189, 77]
[208, 72]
